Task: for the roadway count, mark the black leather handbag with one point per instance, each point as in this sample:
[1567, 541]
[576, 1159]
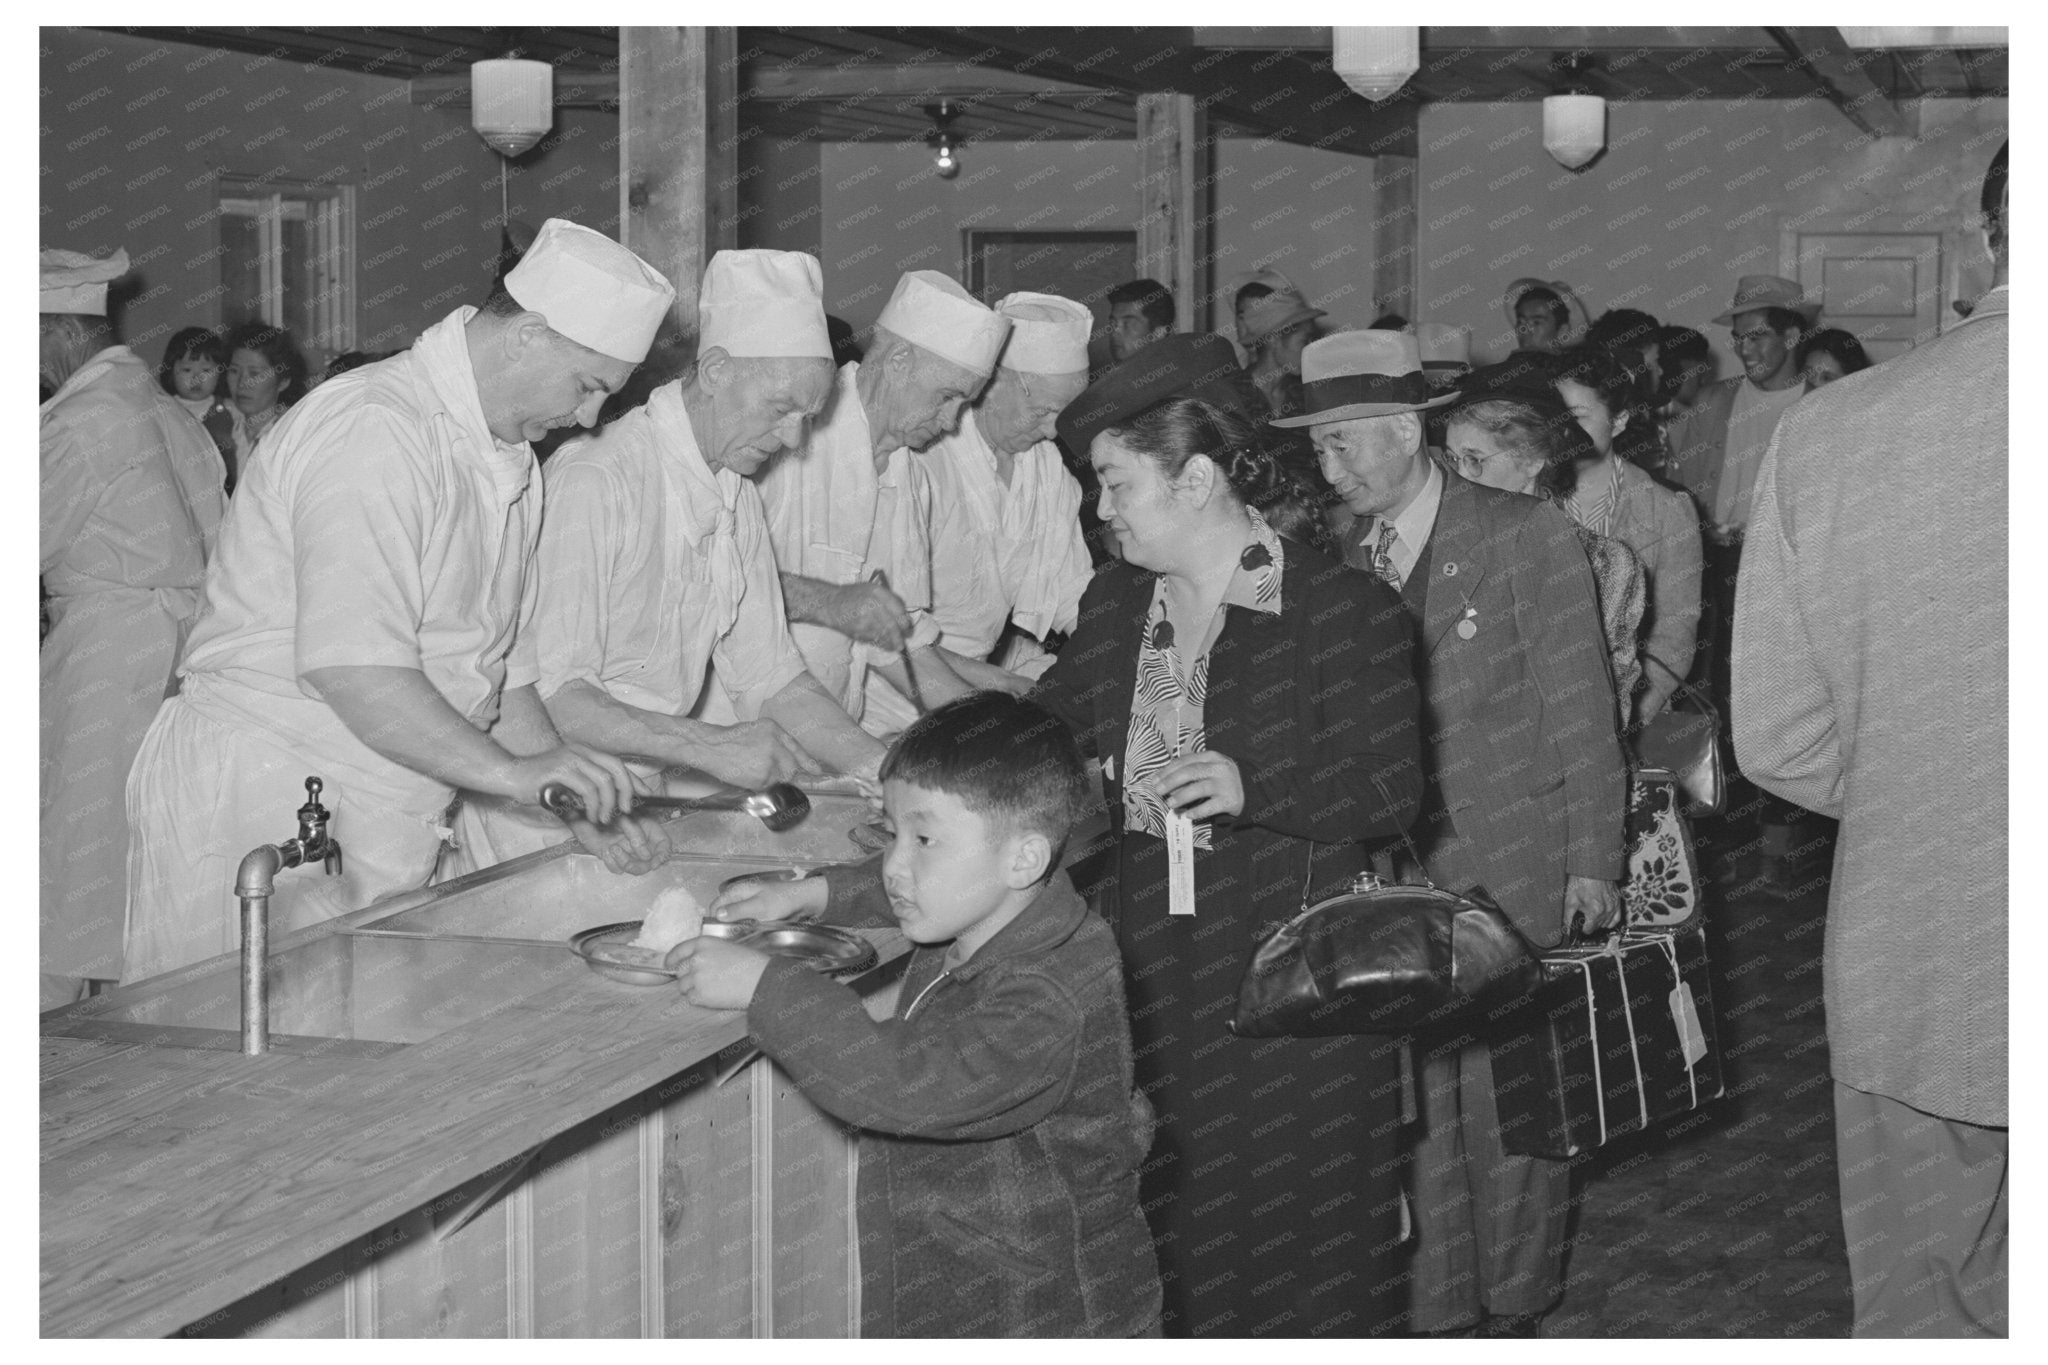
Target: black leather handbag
[1687, 744]
[1384, 957]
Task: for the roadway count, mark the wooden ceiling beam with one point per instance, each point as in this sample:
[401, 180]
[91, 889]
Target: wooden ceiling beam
[1311, 107]
[1843, 75]
[937, 80]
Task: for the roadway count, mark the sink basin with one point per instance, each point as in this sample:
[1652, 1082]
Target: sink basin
[552, 900]
[372, 989]
[546, 897]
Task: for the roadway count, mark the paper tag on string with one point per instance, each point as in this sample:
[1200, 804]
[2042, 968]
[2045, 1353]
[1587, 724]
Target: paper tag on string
[1180, 864]
[1692, 1039]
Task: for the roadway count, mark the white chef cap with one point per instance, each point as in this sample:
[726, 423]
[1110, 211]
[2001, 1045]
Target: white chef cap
[763, 303]
[1048, 334]
[930, 310]
[77, 283]
[591, 290]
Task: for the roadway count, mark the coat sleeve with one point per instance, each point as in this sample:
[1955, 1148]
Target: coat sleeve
[1559, 621]
[994, 1070]
[1073, 688]
[1786, 739]
[1674, 589]
[1356, 771]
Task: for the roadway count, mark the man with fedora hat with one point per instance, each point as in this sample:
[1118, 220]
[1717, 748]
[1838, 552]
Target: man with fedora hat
[1717, 446]
[1525, 783]
[1716, 450]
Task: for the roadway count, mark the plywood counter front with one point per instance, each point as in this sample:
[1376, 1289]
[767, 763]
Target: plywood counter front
[458, 1134]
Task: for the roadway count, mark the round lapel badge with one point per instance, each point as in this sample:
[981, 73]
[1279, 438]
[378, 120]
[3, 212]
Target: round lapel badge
[1466, 630]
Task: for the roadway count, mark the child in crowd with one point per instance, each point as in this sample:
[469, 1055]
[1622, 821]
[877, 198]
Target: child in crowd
[191, 373]
[1002, 1134]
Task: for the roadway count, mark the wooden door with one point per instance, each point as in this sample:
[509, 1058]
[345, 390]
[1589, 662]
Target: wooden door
[1884, 287]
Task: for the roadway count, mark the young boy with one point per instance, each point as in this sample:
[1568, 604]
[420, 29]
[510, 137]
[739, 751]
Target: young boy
[999, 1162]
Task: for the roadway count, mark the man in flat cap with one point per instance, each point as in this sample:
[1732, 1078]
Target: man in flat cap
[1525, 786]
[362, 610]
[131, 500]
[1006, 514]
[850, 513]
[655, 569]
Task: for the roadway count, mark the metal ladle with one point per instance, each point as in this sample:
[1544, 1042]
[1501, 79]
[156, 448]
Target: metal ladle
[779, 805]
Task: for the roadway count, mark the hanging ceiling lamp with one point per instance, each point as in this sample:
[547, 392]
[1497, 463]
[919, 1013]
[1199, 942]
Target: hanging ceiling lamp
[511, 103]
[943, 140]
[1375, 62]
[1574, 123]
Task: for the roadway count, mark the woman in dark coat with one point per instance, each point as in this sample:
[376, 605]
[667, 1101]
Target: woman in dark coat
[1266, 692]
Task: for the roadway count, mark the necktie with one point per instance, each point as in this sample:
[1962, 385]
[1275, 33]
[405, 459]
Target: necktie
[1383, 558]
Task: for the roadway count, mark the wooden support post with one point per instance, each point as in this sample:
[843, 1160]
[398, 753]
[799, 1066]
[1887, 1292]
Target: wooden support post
[1174, 155]
[679, 152]
[1394, 241]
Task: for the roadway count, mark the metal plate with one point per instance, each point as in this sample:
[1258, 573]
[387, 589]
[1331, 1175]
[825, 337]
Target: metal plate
[608, 949]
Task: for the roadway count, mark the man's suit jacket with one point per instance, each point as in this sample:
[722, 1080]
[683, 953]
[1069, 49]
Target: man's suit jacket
[1698, 442]
[1526, 777]
[1870, 684]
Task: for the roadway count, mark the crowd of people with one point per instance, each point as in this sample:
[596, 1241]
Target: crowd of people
[1289, 595]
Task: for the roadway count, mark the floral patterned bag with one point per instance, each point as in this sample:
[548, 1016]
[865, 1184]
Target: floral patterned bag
[1661, 887]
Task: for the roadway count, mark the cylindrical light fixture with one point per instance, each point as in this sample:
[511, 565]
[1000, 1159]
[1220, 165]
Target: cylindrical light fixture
[511, 103]
[1375, 62]
[1574, 129]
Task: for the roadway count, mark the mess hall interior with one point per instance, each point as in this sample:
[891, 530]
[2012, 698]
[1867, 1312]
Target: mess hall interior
[479, 263]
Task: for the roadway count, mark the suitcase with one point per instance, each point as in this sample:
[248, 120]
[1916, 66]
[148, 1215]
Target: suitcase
[1619, 1036]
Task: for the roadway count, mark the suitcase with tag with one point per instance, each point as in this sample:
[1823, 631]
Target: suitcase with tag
[1619, 1036]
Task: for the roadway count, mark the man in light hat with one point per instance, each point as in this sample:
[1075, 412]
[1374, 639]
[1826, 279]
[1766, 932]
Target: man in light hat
[362, 610]
[131, 500]
[1274, 326]
[1717, 446]
[1446, 352]
[1525, 791]
[655, 569]
[1006, 513]
[850, 514]
[1716, 450]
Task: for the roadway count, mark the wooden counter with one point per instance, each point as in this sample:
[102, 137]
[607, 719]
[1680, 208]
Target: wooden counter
[312, 1191]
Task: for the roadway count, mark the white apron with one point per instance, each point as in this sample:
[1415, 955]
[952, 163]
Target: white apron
[379, 523]
[645, 563]
[834, 517]
[131, 499]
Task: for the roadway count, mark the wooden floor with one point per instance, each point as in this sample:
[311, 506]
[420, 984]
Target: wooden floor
[1727, 1223]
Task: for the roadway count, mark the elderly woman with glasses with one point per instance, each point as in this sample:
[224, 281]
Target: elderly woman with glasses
[1511, 430]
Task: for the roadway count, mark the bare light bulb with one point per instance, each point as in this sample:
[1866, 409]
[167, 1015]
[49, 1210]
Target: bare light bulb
[947, 164]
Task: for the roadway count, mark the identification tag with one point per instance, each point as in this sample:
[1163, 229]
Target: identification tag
[1180, 864]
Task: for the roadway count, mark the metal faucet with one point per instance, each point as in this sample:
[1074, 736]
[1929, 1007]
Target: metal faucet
[254, 881]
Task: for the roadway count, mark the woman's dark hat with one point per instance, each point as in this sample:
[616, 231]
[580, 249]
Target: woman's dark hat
[1362, 374]
[1184, 365]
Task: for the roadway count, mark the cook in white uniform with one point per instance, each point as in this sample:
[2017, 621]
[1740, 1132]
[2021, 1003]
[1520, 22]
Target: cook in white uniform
[654, 563]
[131, 499]
[361, 608]
[1006, 524]
[853, 504]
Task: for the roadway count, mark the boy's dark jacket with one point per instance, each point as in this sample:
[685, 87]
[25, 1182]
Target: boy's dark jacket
[999, 1162]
